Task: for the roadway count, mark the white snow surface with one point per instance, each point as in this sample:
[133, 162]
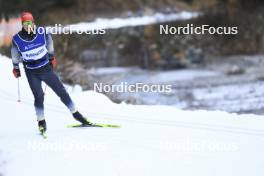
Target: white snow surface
[104, 23]
[153, 140]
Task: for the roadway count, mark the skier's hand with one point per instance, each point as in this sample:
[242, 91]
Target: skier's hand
[16, 72]
[53, 62]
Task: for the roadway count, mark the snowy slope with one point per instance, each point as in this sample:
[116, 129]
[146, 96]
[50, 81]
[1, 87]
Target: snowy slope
[153, 140]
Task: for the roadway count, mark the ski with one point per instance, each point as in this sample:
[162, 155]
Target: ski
[93, 125]
[43, 133]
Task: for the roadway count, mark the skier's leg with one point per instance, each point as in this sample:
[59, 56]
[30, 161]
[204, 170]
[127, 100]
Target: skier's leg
[52, 80]
[35, 86]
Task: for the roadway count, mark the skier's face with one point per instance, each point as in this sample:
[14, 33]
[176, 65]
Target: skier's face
[28, 26]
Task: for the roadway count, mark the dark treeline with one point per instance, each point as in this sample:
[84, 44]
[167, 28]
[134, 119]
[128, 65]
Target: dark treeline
[13, 7]
[247, 15]
[8, 8]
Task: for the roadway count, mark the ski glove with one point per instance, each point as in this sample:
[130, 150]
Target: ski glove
[16, 72]
[53, 62]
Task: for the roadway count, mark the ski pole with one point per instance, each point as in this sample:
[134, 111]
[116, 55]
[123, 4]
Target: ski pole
[18, 91]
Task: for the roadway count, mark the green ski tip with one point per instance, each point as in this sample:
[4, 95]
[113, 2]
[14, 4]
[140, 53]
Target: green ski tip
[43, 133]
[108, 125]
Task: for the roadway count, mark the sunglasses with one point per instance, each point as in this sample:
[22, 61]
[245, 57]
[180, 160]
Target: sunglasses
[27, 23]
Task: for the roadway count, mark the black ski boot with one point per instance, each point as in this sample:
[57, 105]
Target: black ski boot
[78, 116]
[42, 126]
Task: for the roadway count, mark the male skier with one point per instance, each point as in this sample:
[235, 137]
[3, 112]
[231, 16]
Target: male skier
[34, 48]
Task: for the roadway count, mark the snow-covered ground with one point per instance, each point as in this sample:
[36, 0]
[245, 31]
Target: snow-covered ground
[153, 140]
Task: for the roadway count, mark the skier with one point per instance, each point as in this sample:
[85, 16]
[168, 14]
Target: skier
[33, 46]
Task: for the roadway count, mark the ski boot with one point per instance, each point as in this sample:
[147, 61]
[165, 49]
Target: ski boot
[42, 126]
[79, 117]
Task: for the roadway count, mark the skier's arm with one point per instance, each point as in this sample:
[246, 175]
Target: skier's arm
[50, 48]
[16, 56]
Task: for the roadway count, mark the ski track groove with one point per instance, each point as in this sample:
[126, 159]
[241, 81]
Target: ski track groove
[200, 126]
